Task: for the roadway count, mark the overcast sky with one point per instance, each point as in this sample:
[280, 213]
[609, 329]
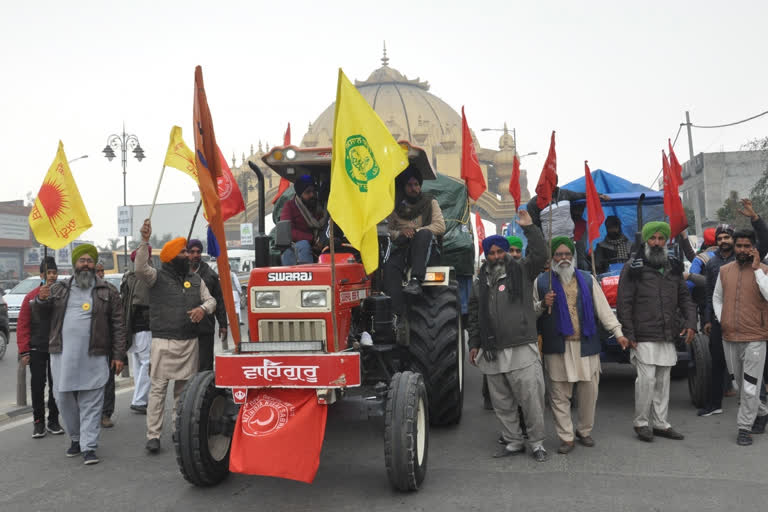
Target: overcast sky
[613, 78]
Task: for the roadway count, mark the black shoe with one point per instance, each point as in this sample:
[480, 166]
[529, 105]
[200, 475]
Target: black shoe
[709, 411]
[758, 427]
[585, 440]
[744, 438]
[39, 430]
[566, 447]
[54, 428]
[89, 457]
[540, 454]
[153, 445]
[141, 409]
[504, 452]
[74, 449]
[644, 434]
[413, 287]
[669, 433]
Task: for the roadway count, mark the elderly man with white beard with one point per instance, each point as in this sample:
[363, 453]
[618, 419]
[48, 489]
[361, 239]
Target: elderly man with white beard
[86, 325]
[651, 298]
[571, 341]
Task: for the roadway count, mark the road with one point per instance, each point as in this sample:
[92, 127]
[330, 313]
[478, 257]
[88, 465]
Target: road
[707, 471]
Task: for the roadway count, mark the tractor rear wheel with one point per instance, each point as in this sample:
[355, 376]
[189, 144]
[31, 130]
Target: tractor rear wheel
[203, 432]
[700, 373]
[406, 431]
[437, 350]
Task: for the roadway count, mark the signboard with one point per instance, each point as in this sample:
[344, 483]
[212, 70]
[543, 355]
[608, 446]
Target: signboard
[124, 221]
[64, 257]
[14, 227]
[246, 234]
[33, 256]
[288, 370]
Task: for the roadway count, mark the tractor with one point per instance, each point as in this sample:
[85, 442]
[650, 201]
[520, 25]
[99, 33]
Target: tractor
[328, 326]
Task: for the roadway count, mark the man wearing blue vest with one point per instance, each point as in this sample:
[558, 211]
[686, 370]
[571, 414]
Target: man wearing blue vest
[571, 341]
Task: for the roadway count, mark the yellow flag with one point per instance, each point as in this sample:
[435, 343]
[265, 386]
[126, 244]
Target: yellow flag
[366, 160]
[179, 156]
[58, 216]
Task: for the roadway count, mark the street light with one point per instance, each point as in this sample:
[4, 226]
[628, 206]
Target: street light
[123, 142]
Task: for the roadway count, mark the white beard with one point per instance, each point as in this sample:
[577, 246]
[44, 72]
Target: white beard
[565, 272]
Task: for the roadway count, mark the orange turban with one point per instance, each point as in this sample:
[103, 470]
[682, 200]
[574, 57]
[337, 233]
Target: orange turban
[172, 249]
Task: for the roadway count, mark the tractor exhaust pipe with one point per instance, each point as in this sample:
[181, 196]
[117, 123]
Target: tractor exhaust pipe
[261, 240]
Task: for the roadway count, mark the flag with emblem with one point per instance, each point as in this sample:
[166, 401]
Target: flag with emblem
[366, 160]
[58, 216]
[179, 156]
[229, 193]
[284, 428]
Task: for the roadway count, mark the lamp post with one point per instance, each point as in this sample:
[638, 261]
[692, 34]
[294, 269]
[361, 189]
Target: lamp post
[123, 142]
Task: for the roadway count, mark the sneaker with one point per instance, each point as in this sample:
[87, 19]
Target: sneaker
[669, 433]
[709, 411]
[89, 457]
[141, 409]
[74, 449]
[644, 434]
[758, 427]
[54, 428]
[413, 287]
[106, 422]
[744, 438]
[540, 454]
[153, 445]
[38, 430]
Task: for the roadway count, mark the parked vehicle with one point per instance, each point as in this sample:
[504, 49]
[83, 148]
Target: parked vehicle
[14, 297]
[5, 332]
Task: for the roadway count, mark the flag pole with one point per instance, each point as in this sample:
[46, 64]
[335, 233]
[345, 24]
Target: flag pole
[333, 285]
[194, 218]
[154, 199]
[592, 255]
[549, 253]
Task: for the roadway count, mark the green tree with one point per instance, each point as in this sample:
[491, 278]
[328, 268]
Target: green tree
[729, 212]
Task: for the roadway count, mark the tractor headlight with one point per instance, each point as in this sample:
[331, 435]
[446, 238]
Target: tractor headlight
[268, 299]
[314, 299]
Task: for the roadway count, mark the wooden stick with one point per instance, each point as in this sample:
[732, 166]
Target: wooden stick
[194, 218]
[333, 286]
[154, 199]
[592, 255]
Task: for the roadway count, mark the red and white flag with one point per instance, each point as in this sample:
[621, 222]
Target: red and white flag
[548, 178]
[279, 432]
[284, 183]
[514, 182]
[480, 229]
[595, 214]
[471, 172]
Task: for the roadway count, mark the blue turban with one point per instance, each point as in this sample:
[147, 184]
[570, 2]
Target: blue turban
[302, 183]
[498, 241]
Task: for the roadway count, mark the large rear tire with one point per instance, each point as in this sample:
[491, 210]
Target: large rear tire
[437, 350]
[700, 373]
[203, 434]
[406, 431]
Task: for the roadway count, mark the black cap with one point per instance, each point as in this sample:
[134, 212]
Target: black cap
[49, 263]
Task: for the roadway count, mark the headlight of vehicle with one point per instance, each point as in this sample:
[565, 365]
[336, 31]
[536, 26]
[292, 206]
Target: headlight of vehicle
[270, 299]
[314, 299]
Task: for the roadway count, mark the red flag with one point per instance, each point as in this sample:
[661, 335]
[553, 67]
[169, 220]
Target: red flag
[480, 232]
[595, 214]
[673, 205]
[209, 171]
[514, 182]
[279, 432]
[548, 178]
[471, 172]
[674, 165]
[229, 193]
[284, 183]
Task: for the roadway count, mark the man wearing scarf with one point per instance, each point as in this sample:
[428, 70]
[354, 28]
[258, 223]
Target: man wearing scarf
[651, 296]
[307, 223]
[741, 305]
[178, 301]
[415, 226]
[571, 342]
[502, 337]
[614, 248]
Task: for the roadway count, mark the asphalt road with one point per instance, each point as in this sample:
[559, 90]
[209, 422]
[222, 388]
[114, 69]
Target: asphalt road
[707, 471]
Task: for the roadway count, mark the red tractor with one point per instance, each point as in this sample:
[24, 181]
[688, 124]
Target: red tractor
[328, 327]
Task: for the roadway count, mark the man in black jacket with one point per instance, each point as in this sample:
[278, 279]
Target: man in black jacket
[207, 326]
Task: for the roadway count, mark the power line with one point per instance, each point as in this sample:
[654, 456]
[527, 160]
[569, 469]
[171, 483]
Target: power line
[730, 124]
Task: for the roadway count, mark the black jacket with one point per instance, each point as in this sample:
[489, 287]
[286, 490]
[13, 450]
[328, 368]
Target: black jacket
[211, 279]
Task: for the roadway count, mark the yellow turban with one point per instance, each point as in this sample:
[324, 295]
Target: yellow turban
[172, 249]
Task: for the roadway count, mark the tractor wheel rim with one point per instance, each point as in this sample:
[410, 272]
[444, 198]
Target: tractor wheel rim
[218, 444]
[421, 432]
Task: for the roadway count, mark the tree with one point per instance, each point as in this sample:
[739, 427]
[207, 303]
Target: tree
[756, 145]
[729, 212]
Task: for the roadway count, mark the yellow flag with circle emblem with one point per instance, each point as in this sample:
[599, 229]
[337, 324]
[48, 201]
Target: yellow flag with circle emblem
[58, 216]
[179, 156]
[366, 160]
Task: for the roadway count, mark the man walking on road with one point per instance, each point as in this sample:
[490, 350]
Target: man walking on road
[740, 303]
[207, 326]
[86, 326]
[571, 341]
[32, 338]
[178, 301]
[109, 389]
[651, 293]
[135, 294]
[502, 337]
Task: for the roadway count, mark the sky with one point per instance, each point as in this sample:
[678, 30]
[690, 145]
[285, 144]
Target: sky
[614, 79]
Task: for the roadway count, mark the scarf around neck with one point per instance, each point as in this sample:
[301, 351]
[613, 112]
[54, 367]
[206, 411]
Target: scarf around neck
[565, 325]
[312, 221]
[409, 211]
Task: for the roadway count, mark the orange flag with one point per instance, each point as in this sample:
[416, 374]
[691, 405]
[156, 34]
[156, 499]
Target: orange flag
[208, 163]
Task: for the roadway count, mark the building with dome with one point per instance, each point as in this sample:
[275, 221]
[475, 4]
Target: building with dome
[410, 112]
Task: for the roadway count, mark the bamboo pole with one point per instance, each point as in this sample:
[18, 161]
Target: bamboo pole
[154, 199]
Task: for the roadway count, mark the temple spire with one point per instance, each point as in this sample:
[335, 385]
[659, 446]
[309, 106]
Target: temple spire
[384, 58]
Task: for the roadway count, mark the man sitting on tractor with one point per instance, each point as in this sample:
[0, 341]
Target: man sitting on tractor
[614, 248]
[308, 221]
[415, 227]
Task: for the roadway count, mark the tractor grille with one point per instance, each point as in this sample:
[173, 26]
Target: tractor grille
[291, 330]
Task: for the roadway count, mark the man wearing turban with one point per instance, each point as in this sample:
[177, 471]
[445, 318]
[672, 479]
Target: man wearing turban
[503, 338]
[568, 315]
[515, 246]
[651, 296]
[86, 327]
[614, 248]
[178, 301]
[308, 220]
